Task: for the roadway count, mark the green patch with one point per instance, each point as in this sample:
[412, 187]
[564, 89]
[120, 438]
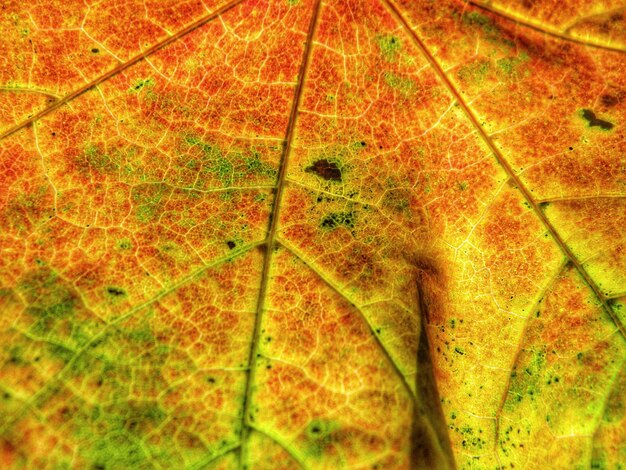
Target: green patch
[390, 47]
[319, 435]
[474, 73]
[406, 86]
[479, 20]
[598, 462]
[151, 194]
[124, 244]
[510, 66]
[254, 165]
[115, 450]
[145, 214]
[93, 158]
[149, 199]
[230, 167]
[174, 251]
[491, 31]
[50, 300]
[143, 334]
[16, 356]
[525, 382]
[398, 200]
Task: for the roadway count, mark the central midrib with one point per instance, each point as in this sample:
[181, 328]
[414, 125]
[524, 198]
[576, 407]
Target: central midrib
[270, 240]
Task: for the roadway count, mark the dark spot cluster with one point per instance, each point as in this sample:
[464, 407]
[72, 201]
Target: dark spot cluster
[337, 219]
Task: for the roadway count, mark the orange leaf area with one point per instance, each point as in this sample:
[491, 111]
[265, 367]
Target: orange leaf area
[284, 234]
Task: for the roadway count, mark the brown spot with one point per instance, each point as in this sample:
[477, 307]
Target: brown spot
[325, 169]
[590, 116]
[609, 100]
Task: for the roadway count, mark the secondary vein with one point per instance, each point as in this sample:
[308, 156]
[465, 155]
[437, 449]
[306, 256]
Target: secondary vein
[102, 78]
[508, 169]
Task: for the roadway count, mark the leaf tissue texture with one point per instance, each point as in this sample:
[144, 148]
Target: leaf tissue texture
[312, 234]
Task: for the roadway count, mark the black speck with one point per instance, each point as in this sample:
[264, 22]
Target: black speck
[95, 50]
[231, 244]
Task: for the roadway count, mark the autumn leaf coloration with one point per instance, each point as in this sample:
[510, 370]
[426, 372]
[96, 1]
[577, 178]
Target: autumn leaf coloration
[283, 234]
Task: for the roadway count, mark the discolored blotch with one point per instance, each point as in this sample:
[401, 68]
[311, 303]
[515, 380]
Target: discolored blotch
[404, 85]
[480, 20]
[593, 121]
[609, 100]
[124, 244]
[116, 291]
[141, 83]
[50, 299]
[326, 169]
[319, 434]
[389, 46]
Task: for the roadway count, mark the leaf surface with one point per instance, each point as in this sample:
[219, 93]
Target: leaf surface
[310, 234]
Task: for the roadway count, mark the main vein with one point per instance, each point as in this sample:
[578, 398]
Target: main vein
[509, 171]
[270, 241]
[114, 71]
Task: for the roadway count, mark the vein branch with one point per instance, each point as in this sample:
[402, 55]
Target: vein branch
[509, 170]
[282, 445]
[121, 67]
[30, 403]
[516, 357]
[382, 347]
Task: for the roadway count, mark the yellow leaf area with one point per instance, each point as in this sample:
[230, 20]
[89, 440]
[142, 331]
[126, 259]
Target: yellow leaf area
[285, 234]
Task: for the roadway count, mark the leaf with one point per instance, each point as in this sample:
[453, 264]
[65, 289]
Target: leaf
[311, 234]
